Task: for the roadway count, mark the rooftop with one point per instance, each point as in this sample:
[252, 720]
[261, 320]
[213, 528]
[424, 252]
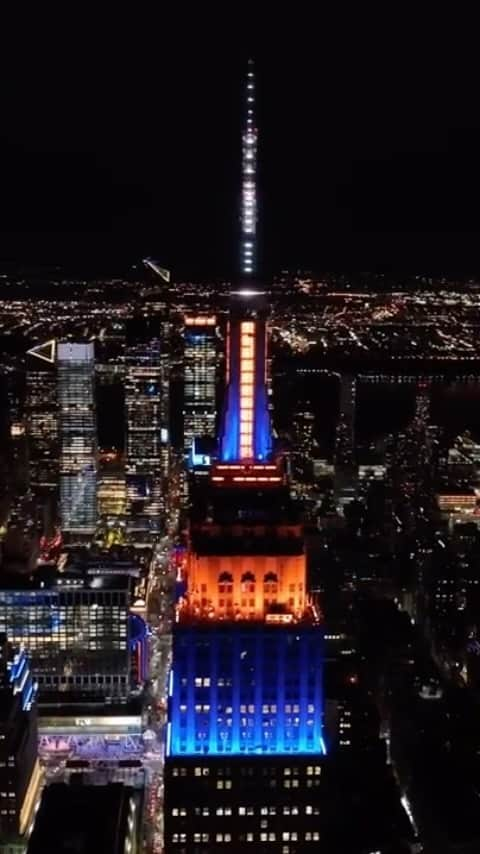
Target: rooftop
[49, 578]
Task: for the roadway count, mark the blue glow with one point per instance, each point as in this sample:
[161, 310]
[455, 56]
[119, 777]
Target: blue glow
[247, 690]
[138, 629]
[27, 698]
[230, 445]
[263, 442]
[17, 667]
[198, 459]
[21, 679]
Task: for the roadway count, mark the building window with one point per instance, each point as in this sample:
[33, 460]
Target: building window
[225, 583]
[248, 582]
[270, 583]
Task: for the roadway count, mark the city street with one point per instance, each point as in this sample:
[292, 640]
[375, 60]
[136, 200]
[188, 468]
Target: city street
[160, 614]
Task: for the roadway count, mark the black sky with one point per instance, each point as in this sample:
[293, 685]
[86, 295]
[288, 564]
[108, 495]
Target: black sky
[115, 143]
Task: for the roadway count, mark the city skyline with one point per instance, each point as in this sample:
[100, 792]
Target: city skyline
[239, 515]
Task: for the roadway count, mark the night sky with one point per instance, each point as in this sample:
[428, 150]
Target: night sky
[122, 140]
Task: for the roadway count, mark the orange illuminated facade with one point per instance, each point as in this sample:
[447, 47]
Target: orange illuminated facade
[201, 320]
[246, 559]
[232, 587]
[247, 474]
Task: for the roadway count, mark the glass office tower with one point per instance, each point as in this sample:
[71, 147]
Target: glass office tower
[200, 374]
[42, 417]
[78, 437]
[76, 629]
[147, 440]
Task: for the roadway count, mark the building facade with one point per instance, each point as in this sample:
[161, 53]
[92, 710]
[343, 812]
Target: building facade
[78, 438]
[42, 418]
[76, 629]
[200, 375]
[20, 774]
[147, 427]
[245, 709]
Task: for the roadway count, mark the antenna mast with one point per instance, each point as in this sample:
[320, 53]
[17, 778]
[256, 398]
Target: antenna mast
[248, 249]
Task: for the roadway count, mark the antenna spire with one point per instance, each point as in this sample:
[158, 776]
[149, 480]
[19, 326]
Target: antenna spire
[248, 248]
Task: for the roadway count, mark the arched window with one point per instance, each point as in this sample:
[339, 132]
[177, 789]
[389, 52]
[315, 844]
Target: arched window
[225, 582]
[248, 582]
[270, 583]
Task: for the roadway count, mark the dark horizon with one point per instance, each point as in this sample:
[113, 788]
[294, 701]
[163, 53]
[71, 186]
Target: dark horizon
[367, 164]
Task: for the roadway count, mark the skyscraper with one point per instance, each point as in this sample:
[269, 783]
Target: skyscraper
[20, 775]
[245, 695]
[76, 629]
[245, 720]
[200, 374]
[42, 417]
[147, 438]
[78, 438]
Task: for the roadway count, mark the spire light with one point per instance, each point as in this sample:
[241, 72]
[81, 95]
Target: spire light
[248, 217]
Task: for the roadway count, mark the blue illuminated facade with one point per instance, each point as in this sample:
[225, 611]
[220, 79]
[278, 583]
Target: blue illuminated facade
[20, 679]
[243, 689]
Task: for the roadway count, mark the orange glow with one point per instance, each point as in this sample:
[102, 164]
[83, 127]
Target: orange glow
[246, 586]
[247, 474]
[247, 387]
[201, 320]
[255, 479]
[264, 467]
[229, 467]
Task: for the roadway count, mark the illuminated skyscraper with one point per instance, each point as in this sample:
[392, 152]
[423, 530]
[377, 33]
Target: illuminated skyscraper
[200, 374]
[20, 775]
[78, 438]
[42, 417]
[76, 628]
[147, 440]
[245, 718]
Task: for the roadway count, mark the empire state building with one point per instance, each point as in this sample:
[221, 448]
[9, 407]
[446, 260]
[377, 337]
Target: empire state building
[245, 719]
